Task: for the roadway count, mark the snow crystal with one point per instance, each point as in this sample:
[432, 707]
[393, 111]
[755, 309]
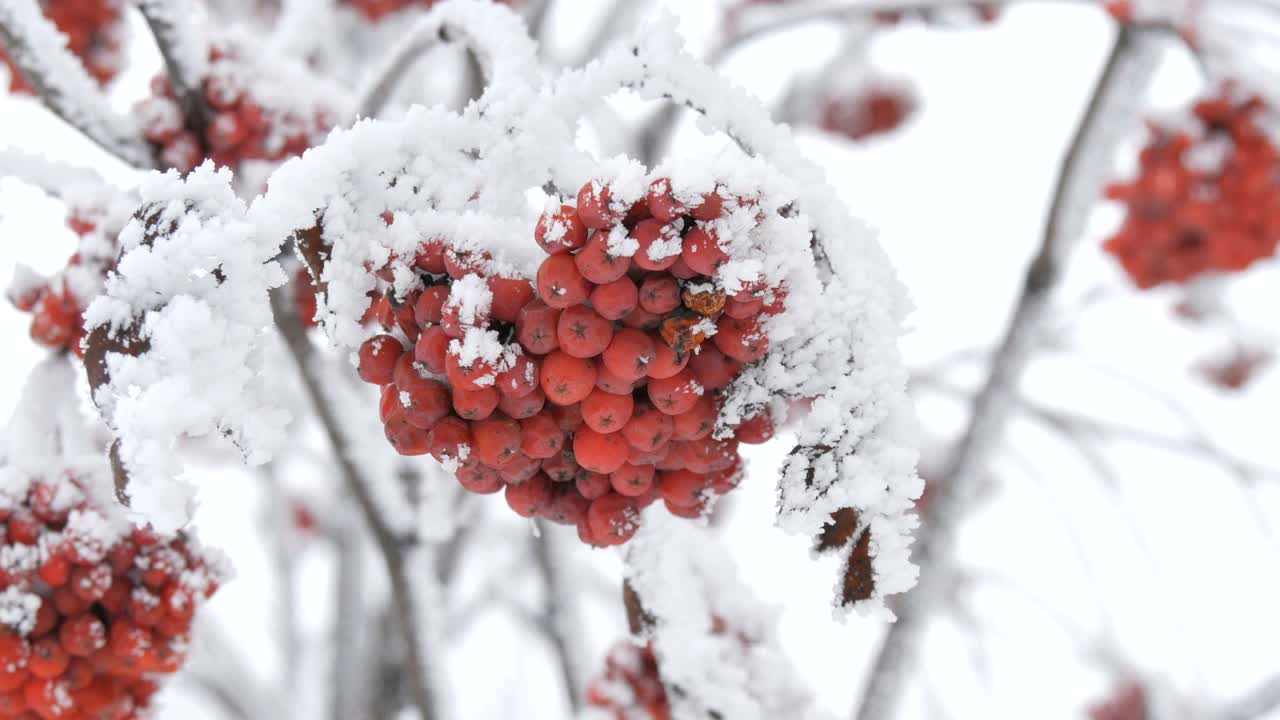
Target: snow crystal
[18, 610]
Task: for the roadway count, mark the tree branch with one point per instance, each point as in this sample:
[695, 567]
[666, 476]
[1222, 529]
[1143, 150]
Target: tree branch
[185, 53]
[555, 614]
[39, 50]
[934, 541]
[391, 547]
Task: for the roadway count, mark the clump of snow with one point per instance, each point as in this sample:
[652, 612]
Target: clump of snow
[193, 283]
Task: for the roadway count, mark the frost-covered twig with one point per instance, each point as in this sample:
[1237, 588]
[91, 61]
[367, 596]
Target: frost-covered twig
[457, 21]
[57, 179]
[889, 675]
[716, 644]
[40, 52]
[175, 25]
[390, 545]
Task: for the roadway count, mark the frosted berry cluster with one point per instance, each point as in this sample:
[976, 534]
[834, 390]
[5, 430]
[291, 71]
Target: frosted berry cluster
[631, 687]
[94, 612]
[239, 126]
[1206, 199]
[93, 29]
[592, 392]
[57, 303]
[872, 111]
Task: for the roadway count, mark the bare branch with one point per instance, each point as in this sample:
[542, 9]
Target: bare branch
[556, 614]
[935, 539]
[1259, 702]
[39, 50]
[392, 548]
[55, 178]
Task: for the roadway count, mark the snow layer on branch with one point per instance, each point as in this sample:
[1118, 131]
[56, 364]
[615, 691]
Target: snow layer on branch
[37, 45]
[714, 640]
[182, 25]
[193, 283]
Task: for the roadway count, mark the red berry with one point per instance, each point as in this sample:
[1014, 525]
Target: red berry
[649, 429]
[683, 488]
[698, 422]
[377, 359]
[676, 394]
[536, 327]
[629, 355]
[712, 368]
[592, 485]
[660, 245]
[594, 206]
[659, 293]
[568, 416]
[48, 658]
[702, 251]
[425, 402]
[583, 333]
[475, 404]
[495, 441]
[561, 231]
[710, 208]
[615, 300]
[432, 349]
[91, 582]
[82, 635]
[742, 340]
[519, 408]
[560, 285]
[563, 467]
[599, 452]
[708, 455]
[567, 507]
[662, 203]
[612, 519]
[429, 307]
[509, 296]
[14, 650]
[472, 374]
[744, 308]
[530, 498]
[632, 480]
[541, 436]
[405, 438]
[478, 478]
[566, 379]
[610, 383]
[520, 379]
[606, 413]
[56, 570]
[597, 264]
[430, 257]
[755, 430]
[447, 437]
[641, 319]
[520, 469]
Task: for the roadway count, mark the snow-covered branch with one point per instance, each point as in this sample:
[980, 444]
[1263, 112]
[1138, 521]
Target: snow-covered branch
[184, 47]
[40, 51]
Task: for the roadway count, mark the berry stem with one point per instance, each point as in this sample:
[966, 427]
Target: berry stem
[935, 538]
[392, 547]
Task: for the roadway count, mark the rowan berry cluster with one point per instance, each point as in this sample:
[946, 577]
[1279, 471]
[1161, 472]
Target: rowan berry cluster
[592, 392]
[630, 688]
[57, 303]
[239, 127]
[96, 611]
[1206, 199]
[93, 29]
[873, 111]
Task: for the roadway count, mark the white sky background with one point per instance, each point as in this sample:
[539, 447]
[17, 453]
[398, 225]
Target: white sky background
[1179, 572]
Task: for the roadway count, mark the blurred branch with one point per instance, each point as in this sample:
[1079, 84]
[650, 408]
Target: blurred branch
[888, 678]
[392, 68]
[390, 546]
[1258, 702]
[54, 178]
[39, 51]
[555, 614]
[349, 621]
[184, 53]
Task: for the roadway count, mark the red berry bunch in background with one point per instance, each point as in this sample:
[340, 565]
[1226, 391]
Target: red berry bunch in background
[375, 10]
[57, 303]
[97, 611]
[592, 392]
[93, 29]
[1127, 702]
[873, 110]
[630, 688]
[1206, 199]
[239, 126]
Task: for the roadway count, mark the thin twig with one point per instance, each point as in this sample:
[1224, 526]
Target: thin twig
[169, 23]
[391, 547]
[348, 626]
[887, 681]
[1259, 702]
